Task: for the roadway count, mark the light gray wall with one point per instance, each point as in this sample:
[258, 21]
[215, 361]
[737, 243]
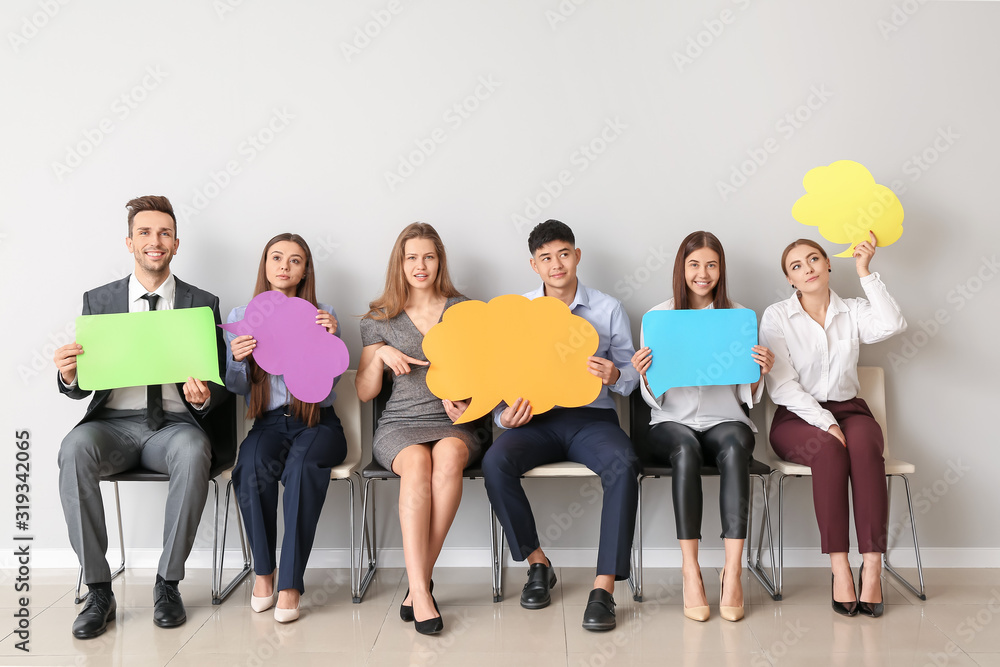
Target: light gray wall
[202, 79]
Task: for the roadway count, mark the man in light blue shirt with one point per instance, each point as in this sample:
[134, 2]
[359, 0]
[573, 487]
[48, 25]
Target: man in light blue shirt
[589, 435]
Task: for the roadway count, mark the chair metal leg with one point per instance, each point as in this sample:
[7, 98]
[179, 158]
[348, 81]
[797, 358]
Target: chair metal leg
[635, 576]
[121, 548]
[916, 545]
[754, 563]
[779, 579]
[220, 593]
[368, 543]
[355, 597]
[496, 557]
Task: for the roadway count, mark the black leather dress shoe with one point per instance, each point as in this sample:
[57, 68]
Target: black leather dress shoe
[168, 610]
[599, 615]
[93, 620]
[541, 579]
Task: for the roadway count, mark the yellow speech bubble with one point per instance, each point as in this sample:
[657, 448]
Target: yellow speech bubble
[845, 202]
[508, 348]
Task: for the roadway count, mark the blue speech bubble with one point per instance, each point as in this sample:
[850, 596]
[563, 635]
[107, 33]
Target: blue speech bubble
[697, 348]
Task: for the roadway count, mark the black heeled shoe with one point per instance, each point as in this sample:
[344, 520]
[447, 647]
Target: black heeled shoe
[431, 626]
[406, 610]
[873, 609]
[843, 608]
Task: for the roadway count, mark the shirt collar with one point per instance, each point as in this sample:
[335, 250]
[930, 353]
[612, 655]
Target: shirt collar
[581, 298]
[837, 305]
[166, 290]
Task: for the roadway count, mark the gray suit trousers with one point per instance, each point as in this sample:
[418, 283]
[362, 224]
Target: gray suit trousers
[117, 441]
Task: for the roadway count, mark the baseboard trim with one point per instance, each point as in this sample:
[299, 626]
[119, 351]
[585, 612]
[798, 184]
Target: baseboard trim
[480, 557]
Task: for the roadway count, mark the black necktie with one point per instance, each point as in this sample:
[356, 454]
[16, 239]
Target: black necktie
[154, 393]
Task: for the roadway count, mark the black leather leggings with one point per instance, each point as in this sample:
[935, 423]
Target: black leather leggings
[729, 445]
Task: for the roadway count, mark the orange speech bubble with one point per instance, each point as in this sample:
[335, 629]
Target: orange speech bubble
[508, 348]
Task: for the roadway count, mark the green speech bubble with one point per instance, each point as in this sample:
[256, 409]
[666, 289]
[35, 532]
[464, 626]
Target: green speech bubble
[138, 349]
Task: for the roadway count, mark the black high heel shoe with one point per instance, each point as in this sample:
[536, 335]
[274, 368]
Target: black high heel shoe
[843, 608]
[406, 610]
[431, 626]
[873, 609]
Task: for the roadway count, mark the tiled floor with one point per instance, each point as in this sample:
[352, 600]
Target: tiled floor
[958, 625]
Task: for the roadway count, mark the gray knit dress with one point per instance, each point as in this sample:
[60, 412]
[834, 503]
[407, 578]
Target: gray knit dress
[413, 414]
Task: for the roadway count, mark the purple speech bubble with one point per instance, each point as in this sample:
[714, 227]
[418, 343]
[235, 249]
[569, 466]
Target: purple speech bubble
[290, 343]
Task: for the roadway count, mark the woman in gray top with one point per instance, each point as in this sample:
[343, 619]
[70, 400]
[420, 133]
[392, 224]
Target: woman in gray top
[415, 437]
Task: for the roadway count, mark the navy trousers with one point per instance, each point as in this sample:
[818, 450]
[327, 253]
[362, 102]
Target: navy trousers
[282, 448]
[590, 436]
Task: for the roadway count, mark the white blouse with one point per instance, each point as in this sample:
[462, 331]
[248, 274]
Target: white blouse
[700, 408]
[813, 363]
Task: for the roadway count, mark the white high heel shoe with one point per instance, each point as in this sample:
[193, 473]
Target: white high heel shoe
[263, 603]
[287, 615]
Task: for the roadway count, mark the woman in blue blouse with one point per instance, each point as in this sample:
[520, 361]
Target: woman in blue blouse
[292, 442]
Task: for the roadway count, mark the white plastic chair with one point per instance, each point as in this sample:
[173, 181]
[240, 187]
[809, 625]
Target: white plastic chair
[348, 409]
[872, 379]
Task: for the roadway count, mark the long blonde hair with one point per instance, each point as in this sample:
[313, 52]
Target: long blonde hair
[392, 301]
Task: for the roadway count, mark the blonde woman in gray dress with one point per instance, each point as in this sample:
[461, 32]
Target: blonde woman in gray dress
[415, 437]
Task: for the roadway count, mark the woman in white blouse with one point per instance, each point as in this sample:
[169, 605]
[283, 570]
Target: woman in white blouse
[820, 421]
[692, 424]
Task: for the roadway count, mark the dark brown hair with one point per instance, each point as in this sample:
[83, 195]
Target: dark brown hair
[392, 301]
[797, 242]
[260, 386]
[695, 241]
[150, 203]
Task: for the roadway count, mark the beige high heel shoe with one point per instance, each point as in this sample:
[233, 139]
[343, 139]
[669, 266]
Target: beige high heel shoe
[699, 614]
[729, 613]
[265, 602]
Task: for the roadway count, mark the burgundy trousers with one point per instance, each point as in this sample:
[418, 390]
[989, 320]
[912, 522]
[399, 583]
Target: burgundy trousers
[833, 465]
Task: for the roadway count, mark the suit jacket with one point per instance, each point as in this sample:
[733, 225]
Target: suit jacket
[219, 421]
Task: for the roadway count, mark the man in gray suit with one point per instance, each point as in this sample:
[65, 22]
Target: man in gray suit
[165, 428]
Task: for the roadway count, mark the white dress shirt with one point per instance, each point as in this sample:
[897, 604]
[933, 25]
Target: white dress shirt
[813, 363]
[134, 398]
[700, 408]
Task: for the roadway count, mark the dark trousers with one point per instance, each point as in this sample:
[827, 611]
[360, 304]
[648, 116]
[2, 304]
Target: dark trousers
[728, 445]
[590, 436]
[833, 465]
[280, 448]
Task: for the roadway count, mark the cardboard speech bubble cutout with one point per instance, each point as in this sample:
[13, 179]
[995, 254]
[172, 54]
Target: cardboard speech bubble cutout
[508, 348]
[290, 343]
[698, 348]
[155, 347]
[845, 202]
